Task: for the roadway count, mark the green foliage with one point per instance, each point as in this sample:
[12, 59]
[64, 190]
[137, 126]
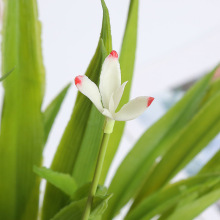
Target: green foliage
[172, 196]
[78, 149]
[144, 175]
[52, 110]
[21, 140]
[22, 125]
[155, 142]
[83, 192]
[62, 181]
[213, 165]
[6, 75]
[193, 208]
[204, 127]
[75, 209]
[127, 59]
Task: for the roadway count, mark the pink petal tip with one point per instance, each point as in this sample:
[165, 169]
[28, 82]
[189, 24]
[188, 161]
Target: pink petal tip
[114, 54]
[78, 80]
[150, 100]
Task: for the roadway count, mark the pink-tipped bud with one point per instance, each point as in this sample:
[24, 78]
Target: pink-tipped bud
[150, 100]
[114, 54]
[78, 80]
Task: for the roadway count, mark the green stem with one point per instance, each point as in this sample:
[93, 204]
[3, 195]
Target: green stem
[98, 169]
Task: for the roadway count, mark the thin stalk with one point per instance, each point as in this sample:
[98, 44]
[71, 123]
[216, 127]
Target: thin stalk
[98, 169]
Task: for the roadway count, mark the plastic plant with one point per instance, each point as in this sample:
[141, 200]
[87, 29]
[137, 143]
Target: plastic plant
[75, 181]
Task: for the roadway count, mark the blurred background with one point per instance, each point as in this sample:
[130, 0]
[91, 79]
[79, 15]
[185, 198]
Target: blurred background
[178, 41]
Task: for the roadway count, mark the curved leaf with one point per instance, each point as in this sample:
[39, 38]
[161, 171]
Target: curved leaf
[213, 165]
[194, 208]
[154, 143]
[22, 131]
[173, 195]
[75, 209]
[194, 137]
[52, 110]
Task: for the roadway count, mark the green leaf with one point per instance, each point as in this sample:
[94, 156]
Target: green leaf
[22, 131]
[84, 190]
[75, 209]
[85, 126]
[194, 208]
[213, 165]
[84, 166]
[127, 60]
[153, 143]
[62, 181]
[106, 28]
[173, 195]
[52, 110]
[204, 127]
[6, 75]
[87, 156]
[213, 89]
[69, 147]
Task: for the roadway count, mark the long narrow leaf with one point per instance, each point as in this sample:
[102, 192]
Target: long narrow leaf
[194, 208]
[22, 131]
[172, 195]
[127, 59]
[73, 137]
[83, 192]
[87, 156]
[52, 110]
[213, 165]
[75, 209]
[153, 143]
[195, 136]
[213, 89]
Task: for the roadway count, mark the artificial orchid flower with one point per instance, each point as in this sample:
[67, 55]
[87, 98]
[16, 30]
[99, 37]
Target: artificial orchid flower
[106, 98]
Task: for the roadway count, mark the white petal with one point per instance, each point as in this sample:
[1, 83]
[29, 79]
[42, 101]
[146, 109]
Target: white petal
[89, 89]
[110, 78]
[111, 105]
[134, 108]
[107, 113]
[118, 94]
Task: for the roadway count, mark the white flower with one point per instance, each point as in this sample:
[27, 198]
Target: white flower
[106, 98]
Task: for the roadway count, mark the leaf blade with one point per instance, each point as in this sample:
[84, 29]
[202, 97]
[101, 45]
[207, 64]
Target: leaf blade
[6, 75]
[204, 126]
[194, 208]
[21, 126]
[172, 196]
[128, 178]
[52, 110]
[62, 181]
[75, 209]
